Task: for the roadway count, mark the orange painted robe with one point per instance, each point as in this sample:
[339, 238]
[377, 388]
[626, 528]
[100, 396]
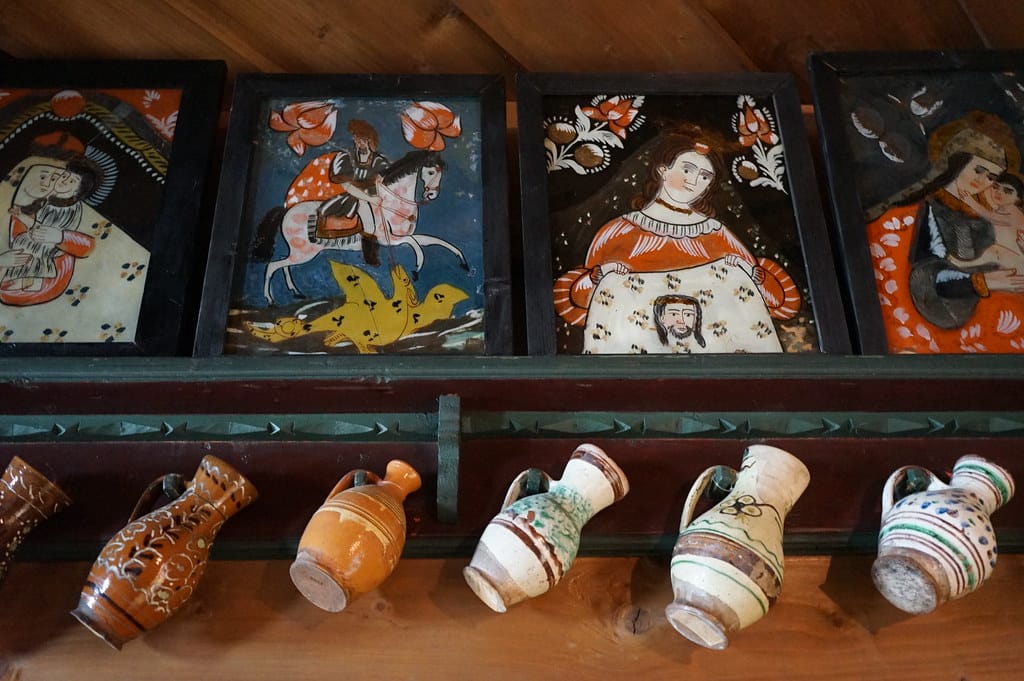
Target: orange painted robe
[996, 324]
[647, 245]
[72, 245]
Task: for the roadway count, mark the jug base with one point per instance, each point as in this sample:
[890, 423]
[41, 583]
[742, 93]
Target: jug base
[906, 579]
[484, 589]
[318, 585]
[699, 626]
[95, 624]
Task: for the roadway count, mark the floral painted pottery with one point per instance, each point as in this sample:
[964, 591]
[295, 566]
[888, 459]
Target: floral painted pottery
[354, 540]
[152, 566]
[527, 548]
[26, 499]
[727, 565]
[936, 541]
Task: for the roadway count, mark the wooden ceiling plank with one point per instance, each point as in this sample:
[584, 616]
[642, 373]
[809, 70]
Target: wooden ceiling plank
[581, 35]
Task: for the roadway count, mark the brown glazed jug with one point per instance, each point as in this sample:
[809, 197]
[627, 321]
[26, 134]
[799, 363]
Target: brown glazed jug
[354, 540]
[152, 566]
[27, 498]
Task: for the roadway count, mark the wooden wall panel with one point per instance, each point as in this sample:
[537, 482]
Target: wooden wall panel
[582, 35]
[386, 36]
[1001, 24]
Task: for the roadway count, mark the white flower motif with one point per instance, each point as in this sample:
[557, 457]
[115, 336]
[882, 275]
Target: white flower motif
[1008, 323]
[892, 224]
[891, 286]
[165, 126]
[908, 220]
[923, 332]
[901, 314]
[884, 300]
[150, 97]
[876, 251]
[887, 265]
[904, 332]
[891, 240]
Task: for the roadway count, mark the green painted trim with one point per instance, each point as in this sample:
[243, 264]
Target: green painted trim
[965, 561]
[412, 427]
[1004, 491]
[420, 427]
[449, 418]
[386, 369]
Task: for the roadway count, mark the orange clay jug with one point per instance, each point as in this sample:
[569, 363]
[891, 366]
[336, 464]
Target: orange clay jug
[354, 540]
[152, 566]
[27, 498]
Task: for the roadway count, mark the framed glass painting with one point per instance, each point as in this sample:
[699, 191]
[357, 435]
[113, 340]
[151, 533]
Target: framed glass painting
[361, 214]
[923, 151]
[103, 168]
[672, 214]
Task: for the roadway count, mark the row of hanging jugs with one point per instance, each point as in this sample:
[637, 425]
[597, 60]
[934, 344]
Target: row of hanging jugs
[936, 541]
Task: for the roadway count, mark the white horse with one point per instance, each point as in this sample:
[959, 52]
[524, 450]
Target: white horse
[394, 217]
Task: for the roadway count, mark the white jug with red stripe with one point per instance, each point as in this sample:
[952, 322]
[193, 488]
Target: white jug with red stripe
[529, 546]
[936, 542]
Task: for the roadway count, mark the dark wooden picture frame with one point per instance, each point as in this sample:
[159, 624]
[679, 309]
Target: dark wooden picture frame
[890, 124]
[73, 108]
[602, 98]
[333, 102]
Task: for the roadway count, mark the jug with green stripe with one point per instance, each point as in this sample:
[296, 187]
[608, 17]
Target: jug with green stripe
[936, 541]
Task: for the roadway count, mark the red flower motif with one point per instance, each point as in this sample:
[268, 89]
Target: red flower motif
[752, 125]
[426, 124]
[308, 124]
[617, 111]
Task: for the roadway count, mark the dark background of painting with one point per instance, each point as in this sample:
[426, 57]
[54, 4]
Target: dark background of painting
[761, 217]
[889, 96]
[135, 201]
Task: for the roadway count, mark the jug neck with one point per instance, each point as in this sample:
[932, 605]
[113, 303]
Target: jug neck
[773, 473]
[991, 483]
[592, 474]
[222, 486]
[400, 479]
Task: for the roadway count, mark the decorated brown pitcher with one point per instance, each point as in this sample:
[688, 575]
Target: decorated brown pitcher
[936, 542]
[354, 540]
[527, 548]
[27, 498]
[727, 565]
[153, 565]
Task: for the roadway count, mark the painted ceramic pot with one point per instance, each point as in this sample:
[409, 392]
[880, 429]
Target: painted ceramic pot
[27, 498]
[528, 547]
[727, 565]
[936, 541]
[354, 540]
[152, 566]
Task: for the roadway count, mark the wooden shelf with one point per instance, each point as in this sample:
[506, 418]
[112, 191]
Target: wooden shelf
[605, 620]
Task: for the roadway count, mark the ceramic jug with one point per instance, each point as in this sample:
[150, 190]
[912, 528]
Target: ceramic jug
[354, 540]
[153, 565]
[727, 565]
[936, 541]
[27, 498]
[527, 548]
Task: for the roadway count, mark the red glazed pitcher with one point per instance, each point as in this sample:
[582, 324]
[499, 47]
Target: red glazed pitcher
[152, 566]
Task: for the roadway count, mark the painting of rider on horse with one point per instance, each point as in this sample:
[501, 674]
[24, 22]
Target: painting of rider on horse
[364, 229]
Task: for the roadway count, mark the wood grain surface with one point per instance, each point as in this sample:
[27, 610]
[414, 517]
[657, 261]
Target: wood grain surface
[496, 36]
[605, 620]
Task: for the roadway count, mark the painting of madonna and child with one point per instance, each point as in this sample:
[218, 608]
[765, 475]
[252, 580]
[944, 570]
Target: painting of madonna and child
[936, 165]
[363, 230]
[83, 178]
[672, 226]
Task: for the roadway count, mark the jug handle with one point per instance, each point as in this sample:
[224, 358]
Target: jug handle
[171, 485]
[722, 477]
[529, 482]
[908, 480]
[354, 478]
